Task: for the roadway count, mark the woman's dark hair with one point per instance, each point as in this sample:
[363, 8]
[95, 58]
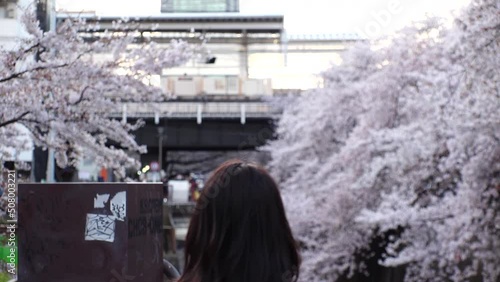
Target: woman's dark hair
[239, 231]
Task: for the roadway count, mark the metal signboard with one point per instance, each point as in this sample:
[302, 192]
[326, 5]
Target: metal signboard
[99, 232]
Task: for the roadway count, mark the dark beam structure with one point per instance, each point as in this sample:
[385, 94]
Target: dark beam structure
[211, 135]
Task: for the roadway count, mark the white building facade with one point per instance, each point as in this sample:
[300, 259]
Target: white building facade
[11, 30]
[11, 27]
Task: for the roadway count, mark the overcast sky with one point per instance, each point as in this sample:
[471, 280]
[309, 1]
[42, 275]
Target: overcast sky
[371, 17]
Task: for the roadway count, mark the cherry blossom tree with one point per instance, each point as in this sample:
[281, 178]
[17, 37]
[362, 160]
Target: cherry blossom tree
[62, 88]
[403, 144]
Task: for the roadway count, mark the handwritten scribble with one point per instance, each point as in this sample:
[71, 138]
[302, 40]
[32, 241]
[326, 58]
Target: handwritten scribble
[118, 210]
[100, 227]
[119, 206]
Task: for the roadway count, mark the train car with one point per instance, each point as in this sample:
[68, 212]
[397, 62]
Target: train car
[221, 85]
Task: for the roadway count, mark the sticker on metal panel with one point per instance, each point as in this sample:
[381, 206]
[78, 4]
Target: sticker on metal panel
[100, 227]
[119, 206]
[101, 200]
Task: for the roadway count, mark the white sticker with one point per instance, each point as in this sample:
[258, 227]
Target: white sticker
[101, 200]
[119, 206]
[100, 227]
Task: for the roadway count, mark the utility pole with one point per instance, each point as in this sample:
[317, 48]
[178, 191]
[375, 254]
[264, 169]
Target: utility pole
[51, 15]
[46, 12]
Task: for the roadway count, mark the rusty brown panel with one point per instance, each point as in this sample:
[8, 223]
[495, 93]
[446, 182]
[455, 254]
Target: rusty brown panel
[55, 232]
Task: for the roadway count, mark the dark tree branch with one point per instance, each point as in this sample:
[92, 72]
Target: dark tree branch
[13, 120]
[80, 99]
[18, 74]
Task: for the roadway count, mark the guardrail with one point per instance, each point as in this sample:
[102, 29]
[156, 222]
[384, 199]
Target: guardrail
[196, 110]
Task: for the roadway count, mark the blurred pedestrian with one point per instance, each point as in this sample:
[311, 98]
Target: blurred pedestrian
[193, 187]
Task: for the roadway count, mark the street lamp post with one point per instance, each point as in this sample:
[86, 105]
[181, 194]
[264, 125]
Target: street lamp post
[160, 147]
